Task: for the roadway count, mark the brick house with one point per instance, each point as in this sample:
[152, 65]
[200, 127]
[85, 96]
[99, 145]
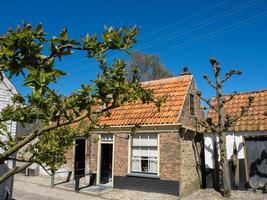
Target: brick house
[7, 90]
[246, 143]
[159, 156]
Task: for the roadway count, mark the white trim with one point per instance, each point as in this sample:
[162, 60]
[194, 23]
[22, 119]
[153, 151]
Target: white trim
[129, 154]
[113, 160]
[98, 160]
[99, 148]
[158, 155]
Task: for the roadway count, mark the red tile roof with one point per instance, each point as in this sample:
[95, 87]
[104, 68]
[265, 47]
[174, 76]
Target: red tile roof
[253, 120]
[172, 89]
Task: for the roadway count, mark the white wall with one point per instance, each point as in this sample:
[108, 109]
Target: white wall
[238, 137]
[6, 92]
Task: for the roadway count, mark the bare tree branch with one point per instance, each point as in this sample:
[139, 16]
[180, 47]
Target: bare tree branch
[207, 101]
[229, 98]
[230, 74]
[244, 109]
[206, 77]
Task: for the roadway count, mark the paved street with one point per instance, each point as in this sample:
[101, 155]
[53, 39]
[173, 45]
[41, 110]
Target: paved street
[30, 191]
[37, 188]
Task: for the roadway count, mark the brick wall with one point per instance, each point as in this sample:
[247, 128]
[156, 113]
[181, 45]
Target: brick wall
[92, 152]
[186, 119]
[121, 155]
[189, 178]
[170, 160]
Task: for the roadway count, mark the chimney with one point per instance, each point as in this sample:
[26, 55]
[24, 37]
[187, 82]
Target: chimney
[185, 72]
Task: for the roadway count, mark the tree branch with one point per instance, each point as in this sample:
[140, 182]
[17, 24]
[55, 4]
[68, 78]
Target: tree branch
[244, 109]
[230, 97]
[13, 171]
[230, 74]
[4, 156]
[206, 77]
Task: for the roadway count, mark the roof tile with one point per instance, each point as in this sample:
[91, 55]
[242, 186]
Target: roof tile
[254, 119]
[172, 89]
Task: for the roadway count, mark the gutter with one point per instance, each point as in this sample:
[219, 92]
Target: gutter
[162, 128]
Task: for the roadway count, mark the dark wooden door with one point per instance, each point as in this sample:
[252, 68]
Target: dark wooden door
[79, 165]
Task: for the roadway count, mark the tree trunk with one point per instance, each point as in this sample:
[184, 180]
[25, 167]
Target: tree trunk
[225, 167]
[220, 131]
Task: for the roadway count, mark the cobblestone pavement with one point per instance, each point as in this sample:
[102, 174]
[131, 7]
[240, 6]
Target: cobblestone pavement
[31, 191]
[37, 188]
[31, 188]
[210, 194]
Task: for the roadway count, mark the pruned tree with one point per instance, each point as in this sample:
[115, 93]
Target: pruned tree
[149, 66]
[221, 122]
[31, 54]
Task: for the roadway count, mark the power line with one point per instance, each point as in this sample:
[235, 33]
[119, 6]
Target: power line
[168, 26]
[200, 25]
[185, 19]
[220, 31]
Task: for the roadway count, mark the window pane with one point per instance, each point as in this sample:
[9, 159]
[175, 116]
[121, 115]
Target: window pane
[107, 137]
[144, 151]
[153, 140]
[144, 140]
[153, 166]
[135, 140]
[136, 164]
[135, 151]
[153, 152]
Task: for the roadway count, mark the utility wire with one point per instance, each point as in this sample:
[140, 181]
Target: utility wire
[166, 27]
[220, 31]
[201, 24]
[185, 19]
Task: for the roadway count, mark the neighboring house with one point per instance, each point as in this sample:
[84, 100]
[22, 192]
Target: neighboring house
[23, 130]
[160, 156]
[7, 90]
[246, 143]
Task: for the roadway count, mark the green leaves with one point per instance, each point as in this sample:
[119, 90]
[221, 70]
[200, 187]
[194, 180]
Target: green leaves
[29, 52]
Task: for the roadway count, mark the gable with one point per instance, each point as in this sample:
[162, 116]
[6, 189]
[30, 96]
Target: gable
[7, 90]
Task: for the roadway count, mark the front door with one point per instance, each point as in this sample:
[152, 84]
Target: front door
[79, 162]
[106, 163]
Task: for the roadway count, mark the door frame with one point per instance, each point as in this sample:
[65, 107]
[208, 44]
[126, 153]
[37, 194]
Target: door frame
[99, 153]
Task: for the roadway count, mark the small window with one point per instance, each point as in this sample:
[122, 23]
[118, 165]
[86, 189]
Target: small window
[192, 104]
[106, 138]
[144, 153]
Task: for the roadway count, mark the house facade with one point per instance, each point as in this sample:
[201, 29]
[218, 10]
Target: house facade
[7, 90]
[159, 156]
[246, 143]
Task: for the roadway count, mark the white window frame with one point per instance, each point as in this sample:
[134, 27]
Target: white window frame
[131, 146]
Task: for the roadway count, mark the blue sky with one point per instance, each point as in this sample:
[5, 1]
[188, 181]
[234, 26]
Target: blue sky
[183, 33]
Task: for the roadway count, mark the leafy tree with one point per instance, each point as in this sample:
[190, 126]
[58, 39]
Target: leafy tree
[31, 53]
[150, 67]
[221, 122]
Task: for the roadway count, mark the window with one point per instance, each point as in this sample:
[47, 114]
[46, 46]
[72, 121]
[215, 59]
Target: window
[106, 138]
[192, 104]
[145, 153]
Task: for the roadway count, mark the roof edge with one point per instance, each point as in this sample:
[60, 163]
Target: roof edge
[10, 86]
[143, 128]
[166, 79]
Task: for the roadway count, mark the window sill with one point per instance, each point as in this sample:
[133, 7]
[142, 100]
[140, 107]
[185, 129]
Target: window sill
[143, 175]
